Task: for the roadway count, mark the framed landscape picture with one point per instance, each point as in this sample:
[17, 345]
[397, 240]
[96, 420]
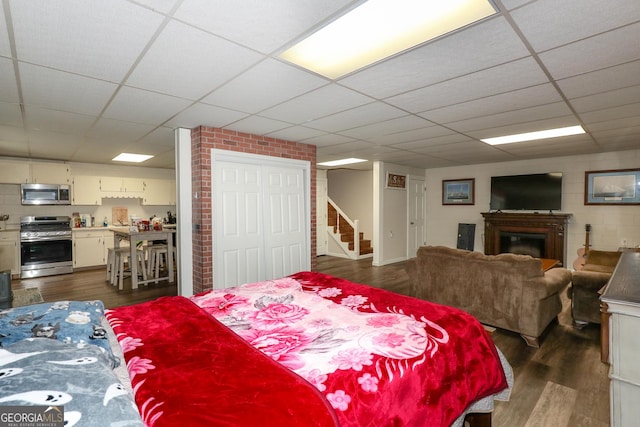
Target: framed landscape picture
[458, 191]
[612, 187]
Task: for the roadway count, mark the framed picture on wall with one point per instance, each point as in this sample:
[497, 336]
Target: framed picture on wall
[396, 181]
[458, 191]
[612, 187]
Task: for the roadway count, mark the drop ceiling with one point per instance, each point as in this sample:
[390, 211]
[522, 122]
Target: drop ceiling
[83, 80]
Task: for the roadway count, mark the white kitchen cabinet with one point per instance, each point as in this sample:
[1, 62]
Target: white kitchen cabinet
[111, 186]
[161, 192]
[14, 172]
[10, 251]
[89, 247]
[86, 190]
[50, 173]
[622, 297]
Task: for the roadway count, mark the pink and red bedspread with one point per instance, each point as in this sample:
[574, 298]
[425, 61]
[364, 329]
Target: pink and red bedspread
[369, 357]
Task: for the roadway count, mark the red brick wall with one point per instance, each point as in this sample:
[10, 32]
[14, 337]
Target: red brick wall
[203, 139]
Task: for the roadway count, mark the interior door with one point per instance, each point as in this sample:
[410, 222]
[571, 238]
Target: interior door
[284, 221]
[238, 226]
[416, 216]
[261, 218]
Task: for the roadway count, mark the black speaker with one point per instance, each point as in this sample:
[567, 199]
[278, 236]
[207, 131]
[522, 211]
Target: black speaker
[466, 236]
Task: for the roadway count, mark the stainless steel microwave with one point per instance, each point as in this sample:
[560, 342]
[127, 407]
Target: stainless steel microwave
[46, 194]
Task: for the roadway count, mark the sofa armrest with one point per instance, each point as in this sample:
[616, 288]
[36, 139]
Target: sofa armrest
[552, 282]
[590, 280]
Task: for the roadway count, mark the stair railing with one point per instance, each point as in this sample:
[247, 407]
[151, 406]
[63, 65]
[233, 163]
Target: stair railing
[354, 224]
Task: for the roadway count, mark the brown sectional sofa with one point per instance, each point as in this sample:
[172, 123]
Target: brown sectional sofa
[507, 291]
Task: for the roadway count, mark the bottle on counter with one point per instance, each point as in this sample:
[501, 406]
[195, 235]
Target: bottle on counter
[104, 222]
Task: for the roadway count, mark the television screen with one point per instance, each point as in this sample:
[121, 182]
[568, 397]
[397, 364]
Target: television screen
[536, 192]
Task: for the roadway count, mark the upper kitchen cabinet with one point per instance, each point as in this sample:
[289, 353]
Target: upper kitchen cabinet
[19, 172]
[161, 192]
[50, 173]
[86, 190]
[14, 172]
[112, 186]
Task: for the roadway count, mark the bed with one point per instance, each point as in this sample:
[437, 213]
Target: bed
[305, 350]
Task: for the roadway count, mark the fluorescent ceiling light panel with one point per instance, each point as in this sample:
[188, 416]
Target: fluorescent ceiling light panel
[378, 29]
[342, 162]
[134, 158]
[532, 136]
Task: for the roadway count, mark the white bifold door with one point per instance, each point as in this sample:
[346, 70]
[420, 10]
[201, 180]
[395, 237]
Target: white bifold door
[260, 217]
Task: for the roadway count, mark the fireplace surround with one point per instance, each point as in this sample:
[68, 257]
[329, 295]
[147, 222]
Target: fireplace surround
[535, 234]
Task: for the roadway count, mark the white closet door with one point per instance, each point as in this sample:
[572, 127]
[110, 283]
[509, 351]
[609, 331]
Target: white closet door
[261, 220]
[284, 221]
[238, 224]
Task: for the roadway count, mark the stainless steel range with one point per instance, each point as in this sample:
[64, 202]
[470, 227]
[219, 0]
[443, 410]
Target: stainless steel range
[45, 245]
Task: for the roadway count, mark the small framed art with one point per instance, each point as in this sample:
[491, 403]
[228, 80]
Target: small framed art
[458, 191]
[612, 187]
[396, 181]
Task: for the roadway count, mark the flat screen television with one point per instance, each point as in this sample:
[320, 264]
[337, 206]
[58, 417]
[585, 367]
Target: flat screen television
[535, 192]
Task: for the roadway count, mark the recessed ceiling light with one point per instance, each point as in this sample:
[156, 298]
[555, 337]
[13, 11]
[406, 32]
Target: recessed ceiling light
[378, 29]
[134, 158]
[342, 162]
[532, 136]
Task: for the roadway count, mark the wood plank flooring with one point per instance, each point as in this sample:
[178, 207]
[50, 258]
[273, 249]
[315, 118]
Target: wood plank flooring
[561, 384]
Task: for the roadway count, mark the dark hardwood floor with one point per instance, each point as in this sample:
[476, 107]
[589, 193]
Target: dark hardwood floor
[561, 384]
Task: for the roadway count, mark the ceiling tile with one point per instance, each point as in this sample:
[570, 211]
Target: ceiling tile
[57, 121]
[319, 103]
[98, 39]
[296, 133]
[141, 106]
[601, 51]
[265, 85]
[423, 144]
[207, 115]
[500, 79]
[118, 131]
[481, 46]
[388, 127]
[550, 23]
[523, 115]
[532, 126]
[257, 125]
[10, 148]
[616, 77]
[163, 6]
[45, 87]
[607, 114]
[11, 133]
[8, 84]
[10, 115]
[186, 62]
[327, 140]
[283, 21]
[358, 116]
[609, 99]
[504, 102]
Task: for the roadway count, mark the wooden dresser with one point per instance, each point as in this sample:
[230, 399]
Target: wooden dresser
[622, 297]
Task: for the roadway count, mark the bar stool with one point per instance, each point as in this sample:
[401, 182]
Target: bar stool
[156, 256]
[121, 255]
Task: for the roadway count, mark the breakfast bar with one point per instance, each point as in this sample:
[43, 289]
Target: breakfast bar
[134, 237]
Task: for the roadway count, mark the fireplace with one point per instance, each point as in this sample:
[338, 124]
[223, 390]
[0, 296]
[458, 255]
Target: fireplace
[523, 243]
[538, 235]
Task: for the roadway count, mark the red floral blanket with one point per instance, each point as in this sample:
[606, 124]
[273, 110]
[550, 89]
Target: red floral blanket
[187, 369]
[374, 358]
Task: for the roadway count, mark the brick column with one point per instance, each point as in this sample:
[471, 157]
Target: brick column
[203, 140]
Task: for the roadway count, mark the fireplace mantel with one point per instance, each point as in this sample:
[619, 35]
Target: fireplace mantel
[552, 226]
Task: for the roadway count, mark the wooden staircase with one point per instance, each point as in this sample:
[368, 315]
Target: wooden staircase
[341, 225]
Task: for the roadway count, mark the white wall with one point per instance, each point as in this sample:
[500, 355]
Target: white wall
[390, 214]
[610, 225]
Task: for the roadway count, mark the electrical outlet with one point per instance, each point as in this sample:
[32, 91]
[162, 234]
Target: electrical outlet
[624, 243]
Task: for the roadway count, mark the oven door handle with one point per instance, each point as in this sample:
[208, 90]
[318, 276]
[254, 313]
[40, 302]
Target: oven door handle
[44, 239]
